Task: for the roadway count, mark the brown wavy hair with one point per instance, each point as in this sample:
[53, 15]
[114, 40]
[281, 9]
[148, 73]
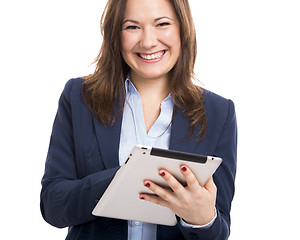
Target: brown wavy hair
[105, 87]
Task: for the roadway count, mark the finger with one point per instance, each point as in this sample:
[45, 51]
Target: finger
[173, 183]
[211, 186]
[163, 193]
[154, 199]
[191, 180]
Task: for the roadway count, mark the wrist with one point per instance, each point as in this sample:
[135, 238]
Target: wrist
[185, 224]
[204, 220]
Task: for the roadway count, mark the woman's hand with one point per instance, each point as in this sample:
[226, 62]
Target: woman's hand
[193, 203]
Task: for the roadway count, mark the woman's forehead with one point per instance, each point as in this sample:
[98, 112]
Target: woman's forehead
[152, 9]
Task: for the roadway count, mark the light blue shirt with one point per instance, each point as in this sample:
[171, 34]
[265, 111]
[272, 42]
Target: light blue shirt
[133, 132]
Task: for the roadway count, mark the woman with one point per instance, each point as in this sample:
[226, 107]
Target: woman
[140, 93]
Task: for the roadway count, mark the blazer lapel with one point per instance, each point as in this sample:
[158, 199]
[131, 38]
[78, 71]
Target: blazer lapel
[179, 140]
[108, 138]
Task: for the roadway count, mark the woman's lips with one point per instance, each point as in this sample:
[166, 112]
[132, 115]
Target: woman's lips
[152, 57]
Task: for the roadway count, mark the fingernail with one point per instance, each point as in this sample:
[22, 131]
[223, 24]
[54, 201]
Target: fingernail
[142, 198]
[147, 184]
[183, 169]
[162, 174]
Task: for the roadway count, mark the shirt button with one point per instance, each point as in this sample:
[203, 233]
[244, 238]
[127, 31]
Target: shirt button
[137, 223]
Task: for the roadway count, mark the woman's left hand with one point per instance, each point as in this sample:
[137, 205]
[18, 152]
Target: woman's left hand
[194, 204]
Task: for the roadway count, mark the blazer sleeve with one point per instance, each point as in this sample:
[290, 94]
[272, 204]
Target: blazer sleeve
[224, 177]
[66, 199]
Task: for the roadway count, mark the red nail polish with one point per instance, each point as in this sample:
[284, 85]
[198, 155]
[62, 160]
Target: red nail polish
[162, 174]
[142, 198]
[183, 169]
[147, 184]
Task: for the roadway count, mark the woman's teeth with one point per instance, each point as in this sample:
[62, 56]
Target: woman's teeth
[152, 56]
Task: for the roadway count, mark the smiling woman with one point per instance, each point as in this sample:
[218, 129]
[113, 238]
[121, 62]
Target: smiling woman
[140, 93]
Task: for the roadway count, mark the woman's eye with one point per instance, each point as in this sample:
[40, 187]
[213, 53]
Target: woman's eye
[131, 28]
[163, 24]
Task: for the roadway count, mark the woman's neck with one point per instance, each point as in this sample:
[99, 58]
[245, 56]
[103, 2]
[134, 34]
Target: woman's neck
[156, 89]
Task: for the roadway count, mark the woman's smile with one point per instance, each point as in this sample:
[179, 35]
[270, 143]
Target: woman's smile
[152, 57]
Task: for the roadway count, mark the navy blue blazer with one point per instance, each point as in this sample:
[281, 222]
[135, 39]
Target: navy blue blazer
[83, 158]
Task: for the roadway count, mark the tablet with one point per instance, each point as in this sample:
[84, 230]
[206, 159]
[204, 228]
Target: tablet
[121, 198]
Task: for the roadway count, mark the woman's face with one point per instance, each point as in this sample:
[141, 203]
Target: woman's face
[150, 38]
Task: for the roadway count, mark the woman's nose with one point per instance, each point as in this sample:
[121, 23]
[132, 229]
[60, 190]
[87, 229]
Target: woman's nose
[148, 38]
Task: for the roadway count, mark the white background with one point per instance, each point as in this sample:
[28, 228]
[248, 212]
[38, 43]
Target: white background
[248, 51]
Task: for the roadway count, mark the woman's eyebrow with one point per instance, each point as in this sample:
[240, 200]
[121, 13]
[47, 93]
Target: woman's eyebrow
[157, 19]
[128, 20]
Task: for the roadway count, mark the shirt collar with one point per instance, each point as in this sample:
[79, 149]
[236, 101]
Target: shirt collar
[129, 87]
